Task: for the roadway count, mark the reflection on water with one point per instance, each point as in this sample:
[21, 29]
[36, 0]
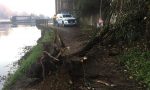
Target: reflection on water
[22, 24]
[12, 44]
[4, 27]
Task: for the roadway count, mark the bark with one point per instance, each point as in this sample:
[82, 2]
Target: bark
[97, 40]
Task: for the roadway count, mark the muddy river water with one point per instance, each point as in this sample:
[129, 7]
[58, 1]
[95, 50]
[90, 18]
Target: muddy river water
[13, 42]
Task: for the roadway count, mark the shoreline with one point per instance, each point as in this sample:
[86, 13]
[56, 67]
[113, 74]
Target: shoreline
[29, 58]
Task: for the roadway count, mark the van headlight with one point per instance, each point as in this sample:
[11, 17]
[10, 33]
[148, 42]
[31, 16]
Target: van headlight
[66, 21]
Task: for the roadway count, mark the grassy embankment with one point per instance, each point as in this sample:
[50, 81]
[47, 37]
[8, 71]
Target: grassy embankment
[137, 63]
[30, 58]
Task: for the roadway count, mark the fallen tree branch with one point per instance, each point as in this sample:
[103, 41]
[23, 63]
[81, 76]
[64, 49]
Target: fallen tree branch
[98, 39]
[43, 69]
[62, 50]
[58, 38]
[105, 83]
[54, 58]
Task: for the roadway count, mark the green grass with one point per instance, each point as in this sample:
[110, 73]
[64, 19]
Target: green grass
[47, 37]
[137, 63]
[31, 58]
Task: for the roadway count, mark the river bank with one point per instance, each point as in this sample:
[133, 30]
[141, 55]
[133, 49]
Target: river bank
[28, 59]
[14, 43]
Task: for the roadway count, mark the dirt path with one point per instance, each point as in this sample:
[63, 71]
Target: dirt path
[70, 36]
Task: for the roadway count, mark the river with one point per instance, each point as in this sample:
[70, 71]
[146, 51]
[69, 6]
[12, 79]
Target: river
[13, 42]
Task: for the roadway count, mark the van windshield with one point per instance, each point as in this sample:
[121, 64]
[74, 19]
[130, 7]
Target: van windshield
[67, 16]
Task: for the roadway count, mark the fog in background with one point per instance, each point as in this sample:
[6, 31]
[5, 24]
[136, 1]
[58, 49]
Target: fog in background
[26, 7]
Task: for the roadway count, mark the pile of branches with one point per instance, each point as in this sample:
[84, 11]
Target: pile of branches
[50, 60]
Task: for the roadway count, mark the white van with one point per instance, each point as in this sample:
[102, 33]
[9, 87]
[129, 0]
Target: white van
[66, 20]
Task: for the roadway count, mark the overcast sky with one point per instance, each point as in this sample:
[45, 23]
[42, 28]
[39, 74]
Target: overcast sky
[45, 7]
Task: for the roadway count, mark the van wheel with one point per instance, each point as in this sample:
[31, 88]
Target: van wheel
[63, 24]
